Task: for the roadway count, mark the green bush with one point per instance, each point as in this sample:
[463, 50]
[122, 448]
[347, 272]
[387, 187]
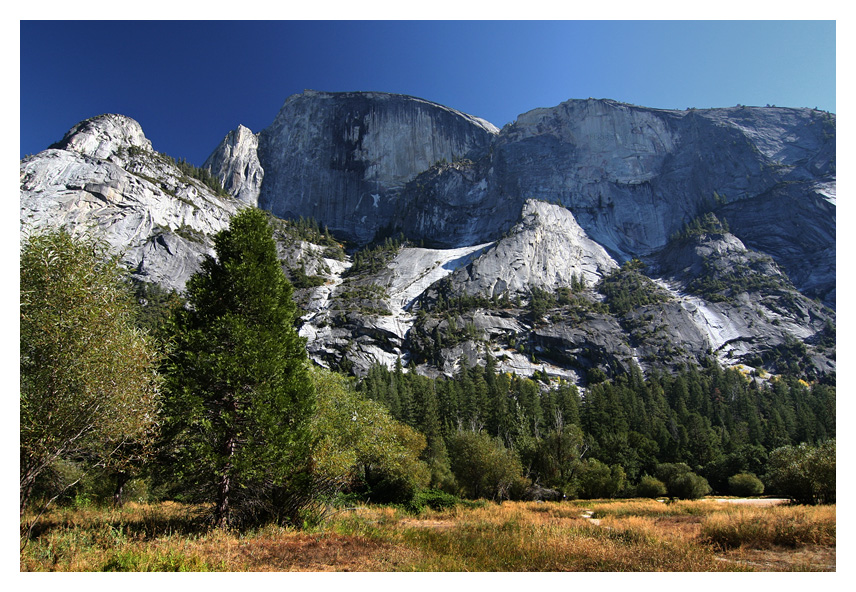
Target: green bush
[681, 482]
[650, 487]
[359, 446]
[688, 486]
[598, 480]
[804, 473]
[434, 499]
[484, 467]
[745, 484]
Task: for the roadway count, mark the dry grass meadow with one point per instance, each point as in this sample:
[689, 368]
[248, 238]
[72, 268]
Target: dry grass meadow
[591, 535]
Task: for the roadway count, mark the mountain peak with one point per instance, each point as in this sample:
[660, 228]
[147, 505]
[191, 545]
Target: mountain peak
[104, 136]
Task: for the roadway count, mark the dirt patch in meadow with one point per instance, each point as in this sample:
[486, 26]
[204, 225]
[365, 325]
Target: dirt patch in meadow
[327, 552]
[779, 560]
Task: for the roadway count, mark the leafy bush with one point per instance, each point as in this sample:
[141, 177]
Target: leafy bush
[434, 499]
[650, 487]
[598, 480]
[484, 467]
[88, 390]
[745, 484]
[359, 445]
[804, 473]
[689, 486]
[681, 482]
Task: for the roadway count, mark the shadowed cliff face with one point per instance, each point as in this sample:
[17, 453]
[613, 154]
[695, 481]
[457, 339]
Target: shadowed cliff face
[342, 158]
[632, 177]
[360, 163]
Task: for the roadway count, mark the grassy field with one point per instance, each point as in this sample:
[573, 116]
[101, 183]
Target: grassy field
[591, 535]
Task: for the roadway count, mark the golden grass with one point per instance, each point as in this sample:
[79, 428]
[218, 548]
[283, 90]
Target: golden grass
[520, 536]
[759, 528]
[628, 535]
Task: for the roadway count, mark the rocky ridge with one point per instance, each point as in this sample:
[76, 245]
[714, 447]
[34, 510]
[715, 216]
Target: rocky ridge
[104, 178]
[631, 176]
[568, 241]
[236, 163]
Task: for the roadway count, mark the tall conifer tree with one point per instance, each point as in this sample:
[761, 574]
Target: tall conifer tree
[239, 392]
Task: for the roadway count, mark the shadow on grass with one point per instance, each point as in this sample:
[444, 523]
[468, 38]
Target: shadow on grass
[138, 522]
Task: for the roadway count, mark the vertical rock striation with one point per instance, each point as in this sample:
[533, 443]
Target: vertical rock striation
[343, 158]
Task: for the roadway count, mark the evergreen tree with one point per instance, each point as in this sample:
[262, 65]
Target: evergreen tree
[239, 394]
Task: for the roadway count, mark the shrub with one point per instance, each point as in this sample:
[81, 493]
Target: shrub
[88, 387]
[804, 473]
[434, 499]
[681, 482]
[745, 484]
[650, 487]
[688, 486]
[484, 467]
[598, 480]
[359, 446]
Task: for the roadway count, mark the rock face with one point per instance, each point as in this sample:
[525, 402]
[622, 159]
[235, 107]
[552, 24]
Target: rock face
[360, 163]
[106, 137]
[104, 178]
[342, 158]
[547, 249]
[593, 234]
[633, 176]
[236, 163]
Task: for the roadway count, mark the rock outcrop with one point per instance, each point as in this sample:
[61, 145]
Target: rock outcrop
[547, 250]
[364, 163]
[236, 163]
[342, 158]
[633, 176]
[104, 178]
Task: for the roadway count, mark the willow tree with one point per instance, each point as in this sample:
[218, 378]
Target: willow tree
[238, 392]
[88, 375]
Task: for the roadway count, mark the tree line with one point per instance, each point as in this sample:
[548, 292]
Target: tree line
[715, 422]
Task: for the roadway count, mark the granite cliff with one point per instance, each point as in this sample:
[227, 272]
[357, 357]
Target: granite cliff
[103, 177]
[631, 176]
[593, 234]
[361, 148]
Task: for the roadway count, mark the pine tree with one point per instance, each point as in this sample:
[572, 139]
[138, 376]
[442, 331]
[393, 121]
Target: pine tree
[239, 393]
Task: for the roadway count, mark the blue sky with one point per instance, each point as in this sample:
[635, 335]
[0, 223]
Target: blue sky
[188, 83]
